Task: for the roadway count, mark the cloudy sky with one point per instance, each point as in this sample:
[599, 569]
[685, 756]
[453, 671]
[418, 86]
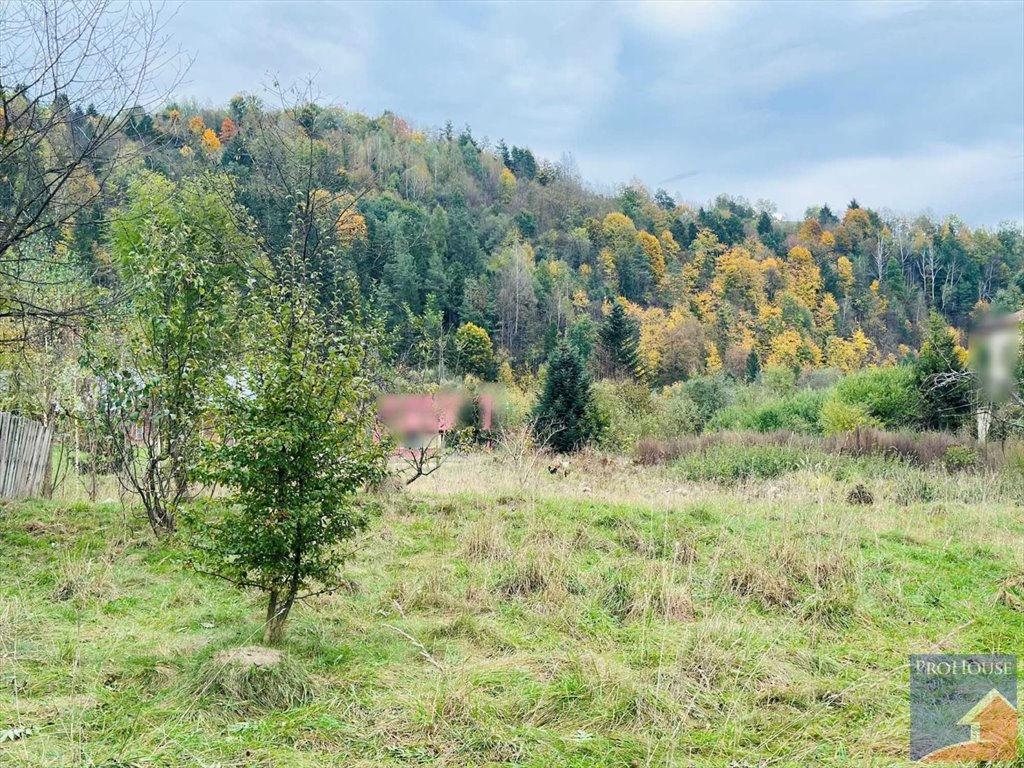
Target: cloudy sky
[912, 106]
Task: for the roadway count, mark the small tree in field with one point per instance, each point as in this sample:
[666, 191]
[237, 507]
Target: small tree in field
[565, 417]
[298, 446]
[185, 251]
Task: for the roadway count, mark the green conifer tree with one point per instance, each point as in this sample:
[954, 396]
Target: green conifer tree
[753, 368]
[620, 339]
[564, 414]
[942, 379]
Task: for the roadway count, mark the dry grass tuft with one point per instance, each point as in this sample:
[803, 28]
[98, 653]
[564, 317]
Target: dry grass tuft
[82, 581]
[1011, 592]
[12, 623]
[485, 539]
[768, 586]
[541, 566]
[432, 591]
[255, 678]
[775, 579]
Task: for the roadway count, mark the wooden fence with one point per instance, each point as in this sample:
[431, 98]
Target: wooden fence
[24, 452]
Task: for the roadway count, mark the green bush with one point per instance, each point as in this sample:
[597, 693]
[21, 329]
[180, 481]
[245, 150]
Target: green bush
[959, 458]
[631, 412]
[710, 394]
[838, 417]
[779, 379]
[887, 394]
[730, 463]
[800, 412]
[679, 413]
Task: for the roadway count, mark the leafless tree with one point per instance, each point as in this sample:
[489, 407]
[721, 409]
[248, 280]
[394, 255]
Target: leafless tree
[56, 158]
[430, 457]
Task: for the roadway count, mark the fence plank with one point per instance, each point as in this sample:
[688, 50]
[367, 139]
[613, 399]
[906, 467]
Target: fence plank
[24, 451]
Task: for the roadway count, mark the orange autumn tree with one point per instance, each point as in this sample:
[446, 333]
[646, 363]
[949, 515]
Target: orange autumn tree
[228, 129]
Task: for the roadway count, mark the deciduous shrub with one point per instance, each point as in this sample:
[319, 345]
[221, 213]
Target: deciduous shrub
[799, 412]
[838, 417]
[888, 395]
[959, 458]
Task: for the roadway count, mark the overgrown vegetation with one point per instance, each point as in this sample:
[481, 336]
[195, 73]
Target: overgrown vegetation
[613, 617]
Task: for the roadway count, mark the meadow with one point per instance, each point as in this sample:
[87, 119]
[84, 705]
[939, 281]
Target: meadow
[619, 614]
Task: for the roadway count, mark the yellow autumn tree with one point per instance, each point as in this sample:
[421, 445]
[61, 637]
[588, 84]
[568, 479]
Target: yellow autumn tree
[197, 125]
[803, 276]
[655, 256]
[738, 279]
[210, 141]
[862, 346]
[669, 246]
[607, 261]
[844, 268]
[810, 232]
[508, 185]
[713, 362]
[824, 316]
[338, 211]
[619, 230]
[848, 355]
[791, 350]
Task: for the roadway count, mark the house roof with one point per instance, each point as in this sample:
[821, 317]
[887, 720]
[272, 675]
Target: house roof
[990, 698]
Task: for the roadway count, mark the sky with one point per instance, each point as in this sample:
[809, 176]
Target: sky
[911, 107]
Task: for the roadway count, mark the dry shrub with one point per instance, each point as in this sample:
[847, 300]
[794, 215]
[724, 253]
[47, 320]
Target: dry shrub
[256, 678]
[860, 495]
[485, 539]
[651, 451]
[919, 448]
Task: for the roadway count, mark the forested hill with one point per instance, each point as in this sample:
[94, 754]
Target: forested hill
[446, 229]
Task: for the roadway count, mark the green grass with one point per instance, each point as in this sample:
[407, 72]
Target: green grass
[611, 618]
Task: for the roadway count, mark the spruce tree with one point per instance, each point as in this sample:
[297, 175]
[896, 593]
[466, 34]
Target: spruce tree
[942, 379]
[564, 414]
[620, 339]
[753, 368]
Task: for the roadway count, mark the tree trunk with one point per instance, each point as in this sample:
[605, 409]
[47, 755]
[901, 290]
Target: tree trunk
[277, 614]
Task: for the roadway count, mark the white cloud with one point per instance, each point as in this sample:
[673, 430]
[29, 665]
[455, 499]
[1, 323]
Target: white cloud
[680, 18]
[974, 181]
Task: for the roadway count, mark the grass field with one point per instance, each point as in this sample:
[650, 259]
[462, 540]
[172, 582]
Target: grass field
[499, 615]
